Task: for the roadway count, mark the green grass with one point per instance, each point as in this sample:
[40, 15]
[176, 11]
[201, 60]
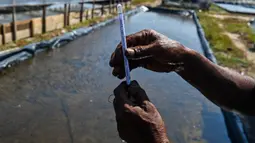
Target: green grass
[241, 28]
[86, 23]
[217, 9]
[225, 51]
[219, 41]
[137, 2]
[232, 62]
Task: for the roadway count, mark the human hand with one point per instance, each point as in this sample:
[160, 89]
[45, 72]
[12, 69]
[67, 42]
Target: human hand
[151, 50]
[138, 120]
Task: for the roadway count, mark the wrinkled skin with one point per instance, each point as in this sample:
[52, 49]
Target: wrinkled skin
[150, 50]
[138, 120]
[154, 51]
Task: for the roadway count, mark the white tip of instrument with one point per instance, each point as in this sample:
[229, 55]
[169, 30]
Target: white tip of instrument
[119, 8]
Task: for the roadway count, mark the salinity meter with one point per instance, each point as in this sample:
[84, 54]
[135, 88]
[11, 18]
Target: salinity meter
[123, 42]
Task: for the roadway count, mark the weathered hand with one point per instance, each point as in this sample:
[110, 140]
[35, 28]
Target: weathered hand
[151, 50]
[138, 120]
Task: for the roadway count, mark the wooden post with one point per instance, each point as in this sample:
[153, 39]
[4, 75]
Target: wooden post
[44, 19]
[110, 4]
[81, 12]
[87, 14]
[115, 5]
[163, 2]
[65, 15]
[14, 26]
[3, 34]
[93, 8]
[31, 25]
[126, 4]
[102, 10]
[68, 14]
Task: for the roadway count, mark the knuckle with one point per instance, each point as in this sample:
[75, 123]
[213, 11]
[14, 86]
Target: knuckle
[115, 91]
[142, 91]
[111, 62]
[149, 30]
[152, 106]
[146, 102]
[138, 49]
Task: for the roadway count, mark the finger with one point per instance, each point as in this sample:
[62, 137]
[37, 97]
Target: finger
[135, 91]
[121, 93]
[136, 111]
[150, 64]
[119, 71]
[139, 52]
[149, 107]
[121, 98]
[143, 37]
[120, 89]
[117, 56]
[136, 52]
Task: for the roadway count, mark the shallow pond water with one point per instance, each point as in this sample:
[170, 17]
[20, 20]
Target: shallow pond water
[62, 96]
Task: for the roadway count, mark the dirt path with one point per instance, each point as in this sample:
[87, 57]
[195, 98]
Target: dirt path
[235, 38]
[152, 4]
[244, 18]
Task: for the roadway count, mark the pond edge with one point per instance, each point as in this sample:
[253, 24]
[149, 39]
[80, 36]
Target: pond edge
[11, 57]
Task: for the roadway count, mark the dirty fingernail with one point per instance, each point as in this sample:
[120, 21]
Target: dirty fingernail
[130, 52]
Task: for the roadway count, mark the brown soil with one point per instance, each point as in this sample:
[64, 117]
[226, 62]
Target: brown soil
[244, 18]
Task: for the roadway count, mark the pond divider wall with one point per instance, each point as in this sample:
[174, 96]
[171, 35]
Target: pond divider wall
[13, 56]
[232, 121]
[248, 6]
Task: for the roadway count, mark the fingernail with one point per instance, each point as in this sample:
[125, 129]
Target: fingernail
[130, 52]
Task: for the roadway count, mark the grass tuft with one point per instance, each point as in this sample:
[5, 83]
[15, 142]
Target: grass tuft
[217, 9]
[225, 51]
[138, 2]
[241, 28]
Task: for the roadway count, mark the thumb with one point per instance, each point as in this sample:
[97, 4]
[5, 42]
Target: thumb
[136, 110]
[141, 51]
[137, 93]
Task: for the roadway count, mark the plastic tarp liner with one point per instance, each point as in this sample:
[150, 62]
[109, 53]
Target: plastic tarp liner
[233, 124]
[233, 7]
[4, 3]
[10, 57]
